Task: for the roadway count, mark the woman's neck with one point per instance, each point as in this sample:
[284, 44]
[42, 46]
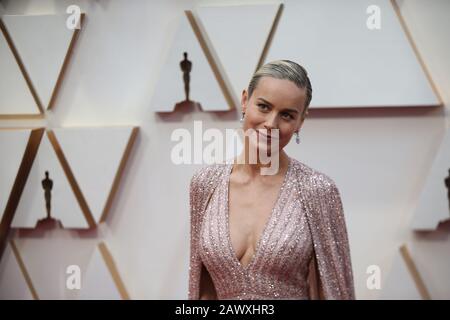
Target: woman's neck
[278, 164]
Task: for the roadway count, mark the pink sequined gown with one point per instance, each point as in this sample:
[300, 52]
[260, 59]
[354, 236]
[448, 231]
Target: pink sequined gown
[303, 252]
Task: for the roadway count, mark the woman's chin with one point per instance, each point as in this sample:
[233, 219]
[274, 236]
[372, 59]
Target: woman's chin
[264, 150]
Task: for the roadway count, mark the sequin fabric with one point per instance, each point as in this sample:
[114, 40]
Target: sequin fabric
[305, 233]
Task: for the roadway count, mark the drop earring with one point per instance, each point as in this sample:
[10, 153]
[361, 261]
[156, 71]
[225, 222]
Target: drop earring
[242, 118]
[297, 137]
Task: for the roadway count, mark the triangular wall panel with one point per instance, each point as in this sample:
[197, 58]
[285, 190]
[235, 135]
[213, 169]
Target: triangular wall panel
[42, 43]
[204, 86]
[99, 277]
[64, 205]
[95, 156]
[398, 284]
[434, 204]
[13, 283]
[238, 35]
[100, 282]
[349, 64]
[15, 96]
[12, 148]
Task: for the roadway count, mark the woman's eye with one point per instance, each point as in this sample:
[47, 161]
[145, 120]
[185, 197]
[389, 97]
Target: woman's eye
[287, 116]
[263, 106]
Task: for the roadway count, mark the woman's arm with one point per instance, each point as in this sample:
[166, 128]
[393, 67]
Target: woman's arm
[195, 263]
[333, 268]
[333, 261]
[200, 283]
[201, 187]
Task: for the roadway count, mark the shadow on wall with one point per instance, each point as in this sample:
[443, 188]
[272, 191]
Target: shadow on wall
[186, 107]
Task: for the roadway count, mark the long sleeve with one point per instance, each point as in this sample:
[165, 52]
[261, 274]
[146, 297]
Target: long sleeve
[201, 187]
[331, 246]
[195, 263]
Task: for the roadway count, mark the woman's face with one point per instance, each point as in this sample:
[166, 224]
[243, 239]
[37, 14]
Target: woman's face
[274, 104]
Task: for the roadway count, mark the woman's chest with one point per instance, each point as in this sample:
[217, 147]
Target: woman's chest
[273, 231]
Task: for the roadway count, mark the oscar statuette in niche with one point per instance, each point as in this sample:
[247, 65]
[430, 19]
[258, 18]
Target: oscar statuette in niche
[48, 222]
[186, 68]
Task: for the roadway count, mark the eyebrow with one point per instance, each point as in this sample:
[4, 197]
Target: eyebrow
[286, 109]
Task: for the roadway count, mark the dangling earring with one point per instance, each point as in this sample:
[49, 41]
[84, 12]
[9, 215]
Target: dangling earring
[242, 119]
[297, 137]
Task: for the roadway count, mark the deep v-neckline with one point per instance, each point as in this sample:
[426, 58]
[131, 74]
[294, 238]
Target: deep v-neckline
[266, 225]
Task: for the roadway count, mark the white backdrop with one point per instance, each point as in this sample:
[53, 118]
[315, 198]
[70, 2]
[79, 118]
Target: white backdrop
[379, 158]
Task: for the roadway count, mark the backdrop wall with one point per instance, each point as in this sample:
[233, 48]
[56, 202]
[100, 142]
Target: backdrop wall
[378, 157]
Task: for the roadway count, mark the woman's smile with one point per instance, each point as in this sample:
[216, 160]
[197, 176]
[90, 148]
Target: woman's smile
[264, 133]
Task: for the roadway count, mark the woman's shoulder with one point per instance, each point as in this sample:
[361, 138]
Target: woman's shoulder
[313, 177]
[207, 174]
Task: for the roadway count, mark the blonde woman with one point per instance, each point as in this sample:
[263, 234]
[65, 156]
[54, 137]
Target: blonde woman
[277, 236]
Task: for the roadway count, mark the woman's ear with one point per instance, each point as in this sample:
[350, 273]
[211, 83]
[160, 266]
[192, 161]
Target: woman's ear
[244, 100]
[302, 118]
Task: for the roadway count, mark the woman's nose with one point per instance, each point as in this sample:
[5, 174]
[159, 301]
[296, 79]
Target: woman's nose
[271, 121]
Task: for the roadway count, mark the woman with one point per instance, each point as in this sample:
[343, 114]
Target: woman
[280, 236]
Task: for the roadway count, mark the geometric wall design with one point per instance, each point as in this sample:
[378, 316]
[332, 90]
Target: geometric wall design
[399, 282]
[208, 86]
[97, 156]
[43, 44]
[414, 272]
[14, 278]
[12, 145]
[433, 206]
[102, 270]
[239, 55]
[24, 268]
[349, 64]
[64, 205]
[85, 165]
[15, 97]
[18, 162]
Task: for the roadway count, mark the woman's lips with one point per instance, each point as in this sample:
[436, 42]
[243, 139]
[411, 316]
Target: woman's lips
[265, 136]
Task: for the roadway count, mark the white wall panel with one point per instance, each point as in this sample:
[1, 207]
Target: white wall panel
[349, 64]
[204, 87]
[94, 156]
[238, 35]
[15, 96]
[42, 42]
[64, 205]
[433, 205]
[12, 148]
[13, 285]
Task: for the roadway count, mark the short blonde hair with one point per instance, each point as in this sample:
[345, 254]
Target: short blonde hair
[285, 70]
